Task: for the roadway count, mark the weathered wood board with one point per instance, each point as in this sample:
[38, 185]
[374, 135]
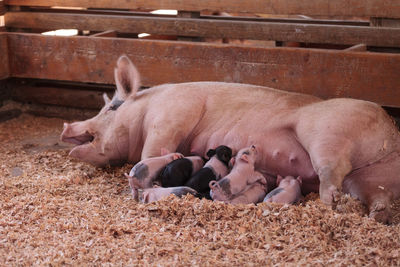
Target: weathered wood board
[213, 28]
[324, 73]
[2, 8]
[361, 8]
[4, 70]
[58, 96]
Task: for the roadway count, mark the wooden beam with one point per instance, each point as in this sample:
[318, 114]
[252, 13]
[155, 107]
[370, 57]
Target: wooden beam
[384, 22]
[62, 97]
[324, 73]
[331, 34]
[4, 67]
[2, 8]
[106, 12]
[360, 8]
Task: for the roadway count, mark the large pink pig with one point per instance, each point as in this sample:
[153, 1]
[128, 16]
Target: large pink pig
[337, 144]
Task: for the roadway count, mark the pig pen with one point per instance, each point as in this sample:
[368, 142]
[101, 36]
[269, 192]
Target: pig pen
[59, 211]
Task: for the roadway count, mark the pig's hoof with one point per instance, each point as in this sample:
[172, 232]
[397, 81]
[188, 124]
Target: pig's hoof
[380, 212]
[330, 196]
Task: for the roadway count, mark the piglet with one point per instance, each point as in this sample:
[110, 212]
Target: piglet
[288, 190]
[179, 171]
[240, 178]
[145, 172]
[254, 194]
[215, 168]
[149, 195]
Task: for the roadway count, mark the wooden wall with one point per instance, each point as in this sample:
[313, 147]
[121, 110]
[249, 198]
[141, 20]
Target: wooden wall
[345, 31]
[4, 70]
[360, 8]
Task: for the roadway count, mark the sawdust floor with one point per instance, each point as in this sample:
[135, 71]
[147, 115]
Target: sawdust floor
[55, 210]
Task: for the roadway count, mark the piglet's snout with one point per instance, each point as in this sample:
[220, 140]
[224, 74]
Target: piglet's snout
[213, 185]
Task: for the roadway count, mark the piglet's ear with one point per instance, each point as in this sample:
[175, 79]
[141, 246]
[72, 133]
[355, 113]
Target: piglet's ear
[299, 179]
[127, 78]
[164, 151]
[211, 153]
[231, 163]
[177, 156]
[245, 158]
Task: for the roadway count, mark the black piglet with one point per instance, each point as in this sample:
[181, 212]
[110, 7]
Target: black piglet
[214, 169]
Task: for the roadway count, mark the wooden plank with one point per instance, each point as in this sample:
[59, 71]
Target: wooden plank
[332, 34]
[361, 22]
[64, 97]
[361, 8]
[2, 8]
[384, 22]
[4, 67]
[323, 73]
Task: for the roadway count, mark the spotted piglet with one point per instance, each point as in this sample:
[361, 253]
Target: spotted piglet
[254, 194]
[149, 195]
[215, 168]
[288, 190]
[145, 172]
[242, 176]
[179, 171]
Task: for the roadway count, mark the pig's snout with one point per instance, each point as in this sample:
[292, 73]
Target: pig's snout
[213, 185]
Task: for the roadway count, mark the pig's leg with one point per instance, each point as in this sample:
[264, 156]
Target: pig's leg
[331, 161]
[376, 186]
[168, 139]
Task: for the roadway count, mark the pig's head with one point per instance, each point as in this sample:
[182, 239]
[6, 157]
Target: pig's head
[228, 187]
[223, 153]
[246, 156]
[288, 180]
[97, 140]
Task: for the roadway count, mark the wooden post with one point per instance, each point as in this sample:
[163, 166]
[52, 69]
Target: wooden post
[2, 12]
[387, 23]
[188, 14]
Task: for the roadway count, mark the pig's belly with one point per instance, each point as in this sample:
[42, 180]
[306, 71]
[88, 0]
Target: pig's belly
[283, 155]
[279, 152]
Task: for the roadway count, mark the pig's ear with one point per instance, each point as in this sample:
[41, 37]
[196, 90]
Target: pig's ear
[127, 78]
[211, 153]
[164, 151]
[106, 98]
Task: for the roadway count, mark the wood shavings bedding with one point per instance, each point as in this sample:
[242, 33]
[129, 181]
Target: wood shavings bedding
[55, 210]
